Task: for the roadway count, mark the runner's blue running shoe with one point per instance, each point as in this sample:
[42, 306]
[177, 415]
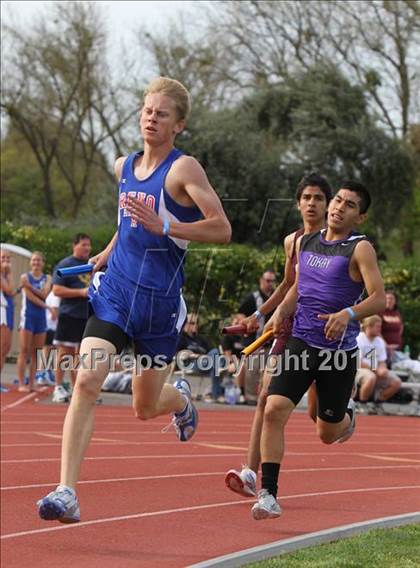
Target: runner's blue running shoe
[186, 422]
[60, 505]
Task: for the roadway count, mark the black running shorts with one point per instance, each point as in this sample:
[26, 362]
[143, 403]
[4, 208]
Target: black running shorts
[333, 372]
[69, 331]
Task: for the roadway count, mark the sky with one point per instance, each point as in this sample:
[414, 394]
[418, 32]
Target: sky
[123, 17]
[124, 20]
[122, 14]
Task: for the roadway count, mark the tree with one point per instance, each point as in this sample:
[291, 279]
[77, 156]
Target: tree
[268, 40]
[256, 153]
[59, 96]
[22, 187]
[378, 42]
[375, 42]
[242, 164]
[409, 234]
[325, 126]
[21, 179]
[195, 61]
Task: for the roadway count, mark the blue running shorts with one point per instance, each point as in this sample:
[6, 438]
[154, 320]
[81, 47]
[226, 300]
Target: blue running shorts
[34, 323]
[151, 319]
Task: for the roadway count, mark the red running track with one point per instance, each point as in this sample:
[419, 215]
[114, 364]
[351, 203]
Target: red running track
[148, 500]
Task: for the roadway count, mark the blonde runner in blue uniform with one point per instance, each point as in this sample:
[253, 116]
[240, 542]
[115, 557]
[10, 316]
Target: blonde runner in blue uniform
[165, 201]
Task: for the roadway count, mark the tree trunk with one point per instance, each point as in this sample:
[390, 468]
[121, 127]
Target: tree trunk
[408, 248]
[48, 195]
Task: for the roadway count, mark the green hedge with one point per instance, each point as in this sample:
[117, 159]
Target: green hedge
[54, 242]
[218, 277]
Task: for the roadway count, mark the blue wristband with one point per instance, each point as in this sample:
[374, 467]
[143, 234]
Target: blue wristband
[258, 315]
[351, 313]
[165, 228]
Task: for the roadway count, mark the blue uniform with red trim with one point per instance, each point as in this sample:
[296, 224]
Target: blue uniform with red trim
[141, 289]
[32, 317]
[10, 311]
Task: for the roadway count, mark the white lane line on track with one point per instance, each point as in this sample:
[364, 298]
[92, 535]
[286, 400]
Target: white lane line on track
[189, 456]
[133, 432]
[240, 428]
[100, 458]
[99, 422]
[93, 439]
[29, 396]
[385, 458]
[314, 442]
[224, 416]
[208, 474]
[244, 432]
[94, 443]
[199, 508]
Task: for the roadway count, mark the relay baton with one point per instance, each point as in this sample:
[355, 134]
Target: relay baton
[234, 330]
[258, 342]
[74, 270]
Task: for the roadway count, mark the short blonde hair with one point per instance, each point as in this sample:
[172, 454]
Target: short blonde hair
[371, 320]
[173, 89]
[38, 253]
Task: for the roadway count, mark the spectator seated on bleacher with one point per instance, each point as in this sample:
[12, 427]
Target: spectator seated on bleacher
[191, 341]
[118, 381]
[392, 333]
[232, 346]
[373, 379]
[195, 355]
[119, 378]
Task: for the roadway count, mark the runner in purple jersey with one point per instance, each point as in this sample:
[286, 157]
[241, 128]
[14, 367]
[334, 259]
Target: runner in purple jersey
[335, 266]
[313, 194]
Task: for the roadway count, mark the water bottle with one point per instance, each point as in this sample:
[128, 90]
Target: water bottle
[407, 351]
[230, 394]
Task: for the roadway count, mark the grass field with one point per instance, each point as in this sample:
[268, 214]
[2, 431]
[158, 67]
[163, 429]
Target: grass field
[385, 548]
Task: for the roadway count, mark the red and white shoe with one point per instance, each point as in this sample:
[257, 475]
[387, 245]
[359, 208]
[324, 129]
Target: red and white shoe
[243, 482]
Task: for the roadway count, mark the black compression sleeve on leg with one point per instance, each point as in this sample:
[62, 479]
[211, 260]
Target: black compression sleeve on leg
[270, 474]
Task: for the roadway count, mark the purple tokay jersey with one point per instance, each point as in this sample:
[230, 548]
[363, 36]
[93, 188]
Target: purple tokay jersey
[325, 287]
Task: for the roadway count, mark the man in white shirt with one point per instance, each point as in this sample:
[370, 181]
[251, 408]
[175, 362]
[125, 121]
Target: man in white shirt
[374, 377]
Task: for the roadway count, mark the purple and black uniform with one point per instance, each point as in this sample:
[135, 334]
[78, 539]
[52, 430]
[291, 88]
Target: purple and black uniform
[324, 287]
[279, 343]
